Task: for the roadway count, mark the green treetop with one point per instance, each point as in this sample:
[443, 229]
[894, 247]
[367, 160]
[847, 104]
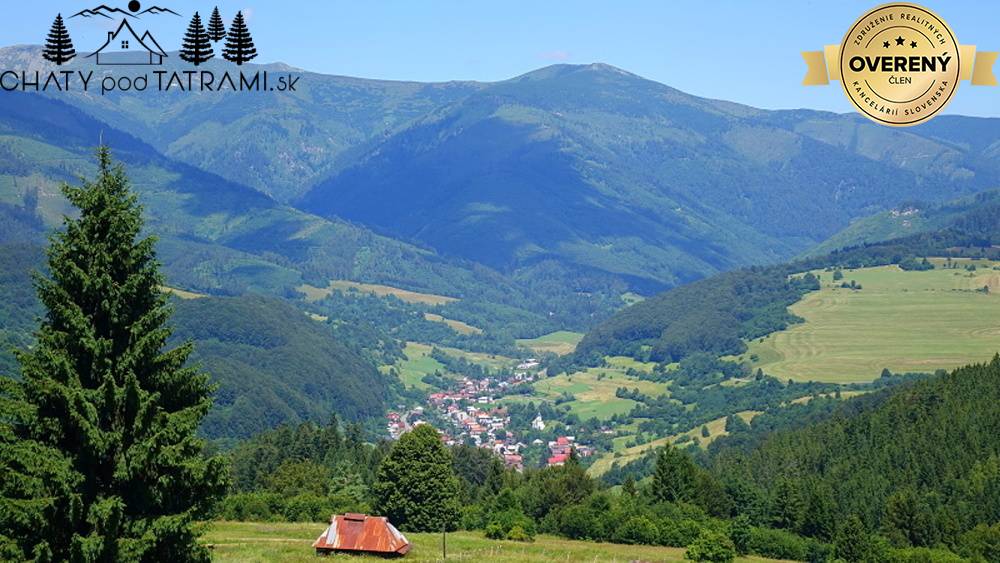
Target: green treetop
[110, 414]
[416, 487]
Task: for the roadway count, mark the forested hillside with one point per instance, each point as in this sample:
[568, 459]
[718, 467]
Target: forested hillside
[921, 468]
[274, 365]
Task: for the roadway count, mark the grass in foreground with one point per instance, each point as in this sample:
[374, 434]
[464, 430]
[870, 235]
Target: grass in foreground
[290, 543]
[904, 321]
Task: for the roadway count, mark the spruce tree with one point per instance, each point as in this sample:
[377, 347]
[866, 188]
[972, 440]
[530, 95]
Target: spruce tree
[216, 28]
[106, 417]
[416, 487]
[674, 476]
[239, 45]
[58, 45]
[197, 47]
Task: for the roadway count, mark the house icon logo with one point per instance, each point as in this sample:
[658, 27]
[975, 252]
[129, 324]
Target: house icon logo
[125, 47]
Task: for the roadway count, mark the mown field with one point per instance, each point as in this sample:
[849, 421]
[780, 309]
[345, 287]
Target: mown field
[562, 342]
[313, 293]
[290, 543]
[906, 321]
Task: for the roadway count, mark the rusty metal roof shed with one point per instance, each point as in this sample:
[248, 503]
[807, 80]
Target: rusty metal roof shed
[360, 533]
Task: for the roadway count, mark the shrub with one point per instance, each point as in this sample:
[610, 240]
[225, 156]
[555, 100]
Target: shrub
[518, 533]
[256, 507]
[510, 525]
[778, 544]
[637, 530]
[711, 546]
[679, 533]
[581, 523]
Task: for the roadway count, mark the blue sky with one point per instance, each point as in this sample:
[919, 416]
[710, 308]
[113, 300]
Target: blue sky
[742, 51]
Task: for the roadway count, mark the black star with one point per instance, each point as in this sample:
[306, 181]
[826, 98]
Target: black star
[913, 44]
[900, 41]
[886, 44]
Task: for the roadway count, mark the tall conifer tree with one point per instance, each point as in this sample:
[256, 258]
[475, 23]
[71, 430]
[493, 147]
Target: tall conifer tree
[58, 45]
[216, 28]
[239, 44]
[197, 47]
[106, 416]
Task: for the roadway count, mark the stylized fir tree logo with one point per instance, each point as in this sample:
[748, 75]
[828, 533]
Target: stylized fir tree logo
[197, 46]
[239, 45]
[216, 29]
[59, 46]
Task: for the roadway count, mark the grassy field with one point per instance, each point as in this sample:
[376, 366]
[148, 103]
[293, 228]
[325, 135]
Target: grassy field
[182, 294]
[291, 543]
[314, 293]
[904, 321]
[562, 342]
[420, 363]
[594, 391]
[624, 455]
[457, 326]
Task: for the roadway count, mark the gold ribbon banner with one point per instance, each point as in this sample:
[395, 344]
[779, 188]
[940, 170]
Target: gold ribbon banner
[824, 66]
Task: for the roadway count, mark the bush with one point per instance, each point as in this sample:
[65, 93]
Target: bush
[778, 544]
[711, 546]
[679, 533]
[924, 555]
[518, 533]
[510, 524]
[637, 530]
[252, 507]
[581, 523]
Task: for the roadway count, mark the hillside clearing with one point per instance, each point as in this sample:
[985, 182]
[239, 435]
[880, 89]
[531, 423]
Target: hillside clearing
[906, 321]
[247, 542]
[593, 391]
[182, 294]
[561, 342]
[457, 326]
[716, 428]
[313, 293]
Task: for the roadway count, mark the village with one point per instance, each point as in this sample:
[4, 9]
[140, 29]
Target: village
[475, 416]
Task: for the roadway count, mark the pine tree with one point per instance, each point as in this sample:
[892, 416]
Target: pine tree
[239, 45]
[128, 476]
[216, 28]
[58, 45]
[674, 476]
[197, 46]
[416, 487]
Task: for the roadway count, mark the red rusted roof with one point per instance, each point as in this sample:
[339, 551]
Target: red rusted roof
[364, 534]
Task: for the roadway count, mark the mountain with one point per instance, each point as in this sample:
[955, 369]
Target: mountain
[216, 236]
[599, 169]
[282, 144]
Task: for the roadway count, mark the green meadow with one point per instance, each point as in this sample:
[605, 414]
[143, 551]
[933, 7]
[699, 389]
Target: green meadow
[561, 342]
[906, 321]
[593, 391]
[290, 543]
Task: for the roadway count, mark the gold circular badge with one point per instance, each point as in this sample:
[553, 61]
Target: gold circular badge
[899, 64]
